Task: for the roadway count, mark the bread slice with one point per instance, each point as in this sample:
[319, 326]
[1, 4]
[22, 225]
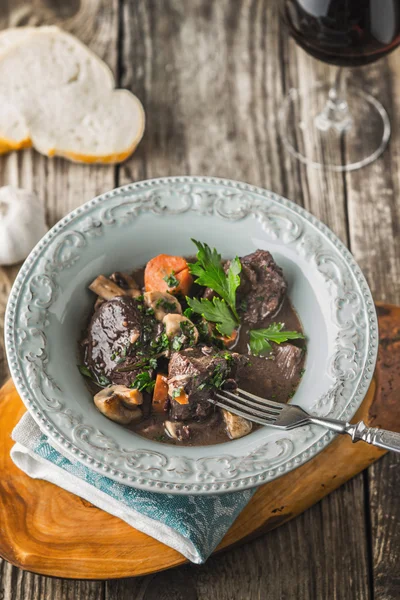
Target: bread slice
[15, 35]
[60, 95]
[14, 131]
[13, 127]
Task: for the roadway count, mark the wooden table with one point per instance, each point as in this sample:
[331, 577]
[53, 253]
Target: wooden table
[212, 76]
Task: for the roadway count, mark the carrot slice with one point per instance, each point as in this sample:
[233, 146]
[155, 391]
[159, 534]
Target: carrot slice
[160, 393]
[165, 273]
[183, 398]
[228, 340]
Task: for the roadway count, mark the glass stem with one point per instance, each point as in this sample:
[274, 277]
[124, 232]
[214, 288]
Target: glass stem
[335, 114]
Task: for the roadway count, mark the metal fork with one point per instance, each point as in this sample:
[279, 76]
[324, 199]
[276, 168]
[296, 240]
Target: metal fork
[289, 416]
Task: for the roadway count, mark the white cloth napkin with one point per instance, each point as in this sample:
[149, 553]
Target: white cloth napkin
[192, 525]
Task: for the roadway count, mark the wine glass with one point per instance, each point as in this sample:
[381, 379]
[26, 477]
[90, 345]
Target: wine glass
[345, 33]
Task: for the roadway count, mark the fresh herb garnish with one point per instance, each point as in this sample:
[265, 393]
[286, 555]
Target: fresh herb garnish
[167, 306]
[160, 344]
[218, 377]
[219, 374]
[260, 338]
[102, 380]
[216, 311]
[171, 280]
[228, 357]
[188, 331]
[187, 337]
[143, 382]
[243, 305]
[83, 369]
[188, 312]
[149, 362]
[210, 273]
[177, 342]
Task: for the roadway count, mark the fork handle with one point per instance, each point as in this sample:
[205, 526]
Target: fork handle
[382, 438]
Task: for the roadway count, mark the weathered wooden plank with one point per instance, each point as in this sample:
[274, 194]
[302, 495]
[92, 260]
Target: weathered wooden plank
[212, 81]
[374, 217]
[308, 558]
[62, 186]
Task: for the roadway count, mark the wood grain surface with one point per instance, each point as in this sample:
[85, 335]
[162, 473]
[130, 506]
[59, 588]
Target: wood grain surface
[50, 531]
[212, 76]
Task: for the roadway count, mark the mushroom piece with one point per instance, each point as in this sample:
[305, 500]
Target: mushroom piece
[107, 289]
[176, 325]
[124, 281]
[162, 303]
[177, 431]
[119, 403]
[236, 426]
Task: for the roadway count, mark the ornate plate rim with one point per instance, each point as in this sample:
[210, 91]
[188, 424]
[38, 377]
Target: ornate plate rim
[244, 482]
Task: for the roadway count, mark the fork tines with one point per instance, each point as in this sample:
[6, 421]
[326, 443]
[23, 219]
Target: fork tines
[248, 405]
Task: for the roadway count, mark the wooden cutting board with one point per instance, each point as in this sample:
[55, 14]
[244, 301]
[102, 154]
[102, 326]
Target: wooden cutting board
[50, 531]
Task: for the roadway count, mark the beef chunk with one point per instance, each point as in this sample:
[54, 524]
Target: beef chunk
[262, 287]
[118, 334]
[289, 360]
[197, 371]
[276, 376]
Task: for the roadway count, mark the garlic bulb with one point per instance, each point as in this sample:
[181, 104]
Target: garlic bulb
[22, 223]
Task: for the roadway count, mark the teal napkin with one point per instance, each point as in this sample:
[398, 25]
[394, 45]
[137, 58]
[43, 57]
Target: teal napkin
[192, 525]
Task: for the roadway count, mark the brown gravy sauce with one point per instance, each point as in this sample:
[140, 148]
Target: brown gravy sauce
[259, 377]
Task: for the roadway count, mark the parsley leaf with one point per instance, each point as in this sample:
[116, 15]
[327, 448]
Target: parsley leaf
[143, 382]
[103, 381]
[233, 282]
[177, 392]
[216, 311]
[171, 280]
[260, 338]
[100, 379]
[83, 369]
[167, 306]
[210, 273]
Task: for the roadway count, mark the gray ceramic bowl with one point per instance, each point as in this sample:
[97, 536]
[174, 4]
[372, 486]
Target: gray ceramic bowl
[124, 228]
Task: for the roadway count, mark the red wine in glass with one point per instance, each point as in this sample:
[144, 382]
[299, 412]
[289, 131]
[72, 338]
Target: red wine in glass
[345, 33]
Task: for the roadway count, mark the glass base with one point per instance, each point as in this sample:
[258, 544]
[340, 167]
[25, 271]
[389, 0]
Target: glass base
[341, 136]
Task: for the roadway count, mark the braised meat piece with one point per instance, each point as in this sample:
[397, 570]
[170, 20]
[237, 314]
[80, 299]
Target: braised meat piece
[274, 376]
[289, 361]
[193, 375]
[118, 335]
[262, 287]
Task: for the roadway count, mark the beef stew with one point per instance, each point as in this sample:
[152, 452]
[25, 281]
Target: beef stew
[161, 340]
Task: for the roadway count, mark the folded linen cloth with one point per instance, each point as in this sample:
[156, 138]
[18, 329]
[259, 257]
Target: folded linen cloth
[192, 525]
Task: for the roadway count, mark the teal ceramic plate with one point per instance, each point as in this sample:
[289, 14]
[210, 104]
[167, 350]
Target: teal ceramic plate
[122, 229]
